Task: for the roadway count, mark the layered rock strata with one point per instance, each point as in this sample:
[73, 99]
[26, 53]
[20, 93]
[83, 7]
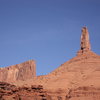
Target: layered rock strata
[36, 92]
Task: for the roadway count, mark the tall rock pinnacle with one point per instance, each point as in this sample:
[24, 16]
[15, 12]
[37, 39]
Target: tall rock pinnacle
[85, 43]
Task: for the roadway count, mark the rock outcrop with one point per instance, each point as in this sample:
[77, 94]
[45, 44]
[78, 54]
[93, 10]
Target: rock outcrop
[84, 93]
[85, 43]
[23, 71]
[11, 92]
[36, 92]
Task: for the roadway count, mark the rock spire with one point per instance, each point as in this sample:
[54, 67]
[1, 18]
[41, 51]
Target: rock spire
[85, 42]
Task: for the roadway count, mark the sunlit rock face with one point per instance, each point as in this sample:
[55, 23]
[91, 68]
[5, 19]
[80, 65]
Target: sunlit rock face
[17, 72]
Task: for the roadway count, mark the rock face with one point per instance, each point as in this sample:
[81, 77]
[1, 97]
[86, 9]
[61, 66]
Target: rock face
[17, 72]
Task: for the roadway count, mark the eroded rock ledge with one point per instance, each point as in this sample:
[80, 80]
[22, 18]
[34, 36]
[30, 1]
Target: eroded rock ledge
[36, 92]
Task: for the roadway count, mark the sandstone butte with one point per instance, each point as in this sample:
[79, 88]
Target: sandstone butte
[76, 79]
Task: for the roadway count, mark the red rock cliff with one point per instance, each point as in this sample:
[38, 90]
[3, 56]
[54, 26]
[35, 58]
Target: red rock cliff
[17, 72]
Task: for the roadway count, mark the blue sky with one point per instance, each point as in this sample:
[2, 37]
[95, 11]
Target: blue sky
[47, 31]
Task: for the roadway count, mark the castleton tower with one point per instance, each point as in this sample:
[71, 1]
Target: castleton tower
[85, 42]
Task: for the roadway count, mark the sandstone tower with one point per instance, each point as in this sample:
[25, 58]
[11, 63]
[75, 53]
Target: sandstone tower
[85, 42]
